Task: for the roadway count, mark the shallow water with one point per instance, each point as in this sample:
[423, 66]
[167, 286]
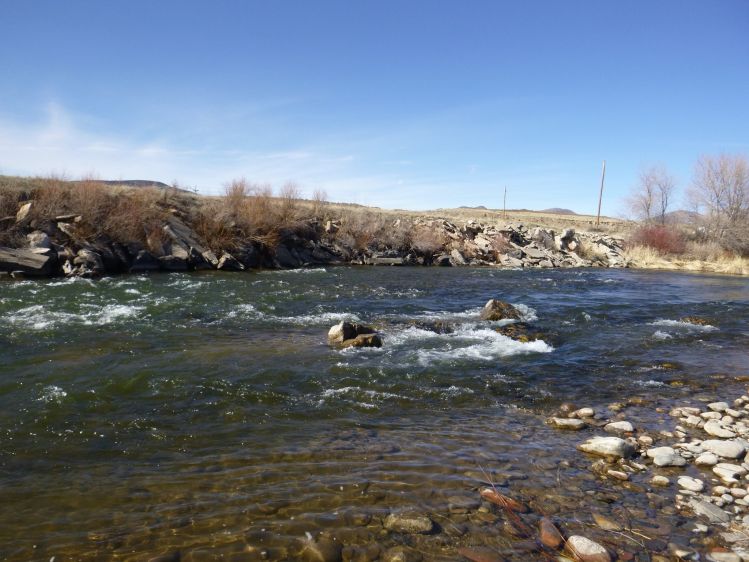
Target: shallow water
[204, 413]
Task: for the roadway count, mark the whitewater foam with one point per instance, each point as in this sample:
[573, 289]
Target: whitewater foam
[682, 324]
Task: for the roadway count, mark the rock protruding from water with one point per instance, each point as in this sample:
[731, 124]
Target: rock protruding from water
[609, 447]
[27, 261]
[586, 550]
[349, 334]
[499, 310]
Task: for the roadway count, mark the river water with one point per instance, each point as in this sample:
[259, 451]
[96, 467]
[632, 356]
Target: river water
[203, 416]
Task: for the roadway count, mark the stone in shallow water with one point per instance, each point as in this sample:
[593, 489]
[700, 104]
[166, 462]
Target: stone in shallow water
[619, 427]
[585, 550]
[567, 423]
[718, 406]
[689, 483]
[549, 534]
[612, 447]
[725, 449]
[707, 459]
[408, 523]
[713, 513]
[665, 456]
[584, 413]
[715, 428]
[659, 480]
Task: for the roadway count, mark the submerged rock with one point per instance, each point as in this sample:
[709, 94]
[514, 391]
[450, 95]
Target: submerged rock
[619, 427]
[726, 449]
[410, 523]
[499, 310]
[549, 534]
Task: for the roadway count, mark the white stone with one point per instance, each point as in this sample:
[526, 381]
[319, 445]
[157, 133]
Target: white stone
[659, 480]
[584, 413]
[619, 427]
[707, 459]
[584, 548]
[710, 415]
[718, 406]
[726, 449]
[608, 447]
[689, 483]
[715, 428]
[665, 456]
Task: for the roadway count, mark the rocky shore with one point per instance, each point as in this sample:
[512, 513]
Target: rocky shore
[59, 246]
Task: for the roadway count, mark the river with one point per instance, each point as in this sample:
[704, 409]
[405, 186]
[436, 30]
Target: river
[203, 416]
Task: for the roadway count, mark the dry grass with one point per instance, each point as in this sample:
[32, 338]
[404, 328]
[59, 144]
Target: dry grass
[644, 257]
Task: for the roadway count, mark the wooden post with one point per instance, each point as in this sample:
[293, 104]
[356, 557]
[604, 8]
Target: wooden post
[600, 195]
[504, 205]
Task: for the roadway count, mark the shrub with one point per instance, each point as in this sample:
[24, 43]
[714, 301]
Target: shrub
[663, 239]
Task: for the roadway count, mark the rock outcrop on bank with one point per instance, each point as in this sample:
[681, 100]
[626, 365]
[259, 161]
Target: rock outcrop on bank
[60, 246]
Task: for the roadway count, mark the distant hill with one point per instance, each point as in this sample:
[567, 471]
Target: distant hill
[558, 211]
[682, 217]
[479, 208]
[137, 183]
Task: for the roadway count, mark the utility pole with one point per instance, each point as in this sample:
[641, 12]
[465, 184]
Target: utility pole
[504, 205]
[600, 195]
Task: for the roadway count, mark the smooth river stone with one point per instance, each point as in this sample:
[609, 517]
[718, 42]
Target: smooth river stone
[612, 447]
[666, 456]
[725, 449]
[707, 459]
[585, 550]
[619, 427]
[718, 406]
[567, 423]
[408, 523]
[715, 428]
[691, 484]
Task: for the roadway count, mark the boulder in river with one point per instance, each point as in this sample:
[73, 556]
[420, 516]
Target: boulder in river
[349, 334]
[499, 310]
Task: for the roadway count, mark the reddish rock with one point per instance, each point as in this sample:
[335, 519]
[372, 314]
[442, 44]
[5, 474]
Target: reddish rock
[549, 534]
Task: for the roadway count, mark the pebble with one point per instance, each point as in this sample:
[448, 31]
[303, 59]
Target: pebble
[645, 440]
[612, 447]
[715, 428]
[584, 413]
[726, 449]
[707, 459]
[408, 523]
[549, 534]
[710, 415]
[713, 513]
[689, 483]
[567, 423]
[659, 480]
[585, 550]
[665, 456]
[618, 474]
[718, 406]
[721, 556]
[619, 427]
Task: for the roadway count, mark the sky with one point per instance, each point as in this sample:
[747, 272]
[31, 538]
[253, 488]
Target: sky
[417, 105]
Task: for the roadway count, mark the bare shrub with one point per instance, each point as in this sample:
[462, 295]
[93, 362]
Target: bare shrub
[319, 204]
[705, 251]
[720, 194]
[665, 240]
[651, 197]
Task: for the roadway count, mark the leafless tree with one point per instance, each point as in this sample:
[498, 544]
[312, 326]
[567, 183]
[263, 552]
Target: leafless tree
[720, 194]
[650, 199]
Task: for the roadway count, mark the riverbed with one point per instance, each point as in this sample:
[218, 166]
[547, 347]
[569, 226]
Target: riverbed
[203, 416]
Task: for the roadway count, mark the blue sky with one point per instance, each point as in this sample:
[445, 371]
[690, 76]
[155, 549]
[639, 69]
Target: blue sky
[419, 104]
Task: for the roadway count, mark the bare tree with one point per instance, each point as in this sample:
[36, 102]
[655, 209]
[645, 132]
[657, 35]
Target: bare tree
[650, 199]
[720, 194]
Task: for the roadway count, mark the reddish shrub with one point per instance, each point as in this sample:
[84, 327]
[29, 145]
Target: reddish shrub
[663, 239]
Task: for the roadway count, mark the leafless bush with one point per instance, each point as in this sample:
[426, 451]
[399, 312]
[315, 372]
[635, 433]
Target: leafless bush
[651, 197]
[663, 239]
[319, 203]
[720, 194]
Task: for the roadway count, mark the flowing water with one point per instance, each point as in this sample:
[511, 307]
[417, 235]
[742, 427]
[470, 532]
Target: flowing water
[204, 417]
